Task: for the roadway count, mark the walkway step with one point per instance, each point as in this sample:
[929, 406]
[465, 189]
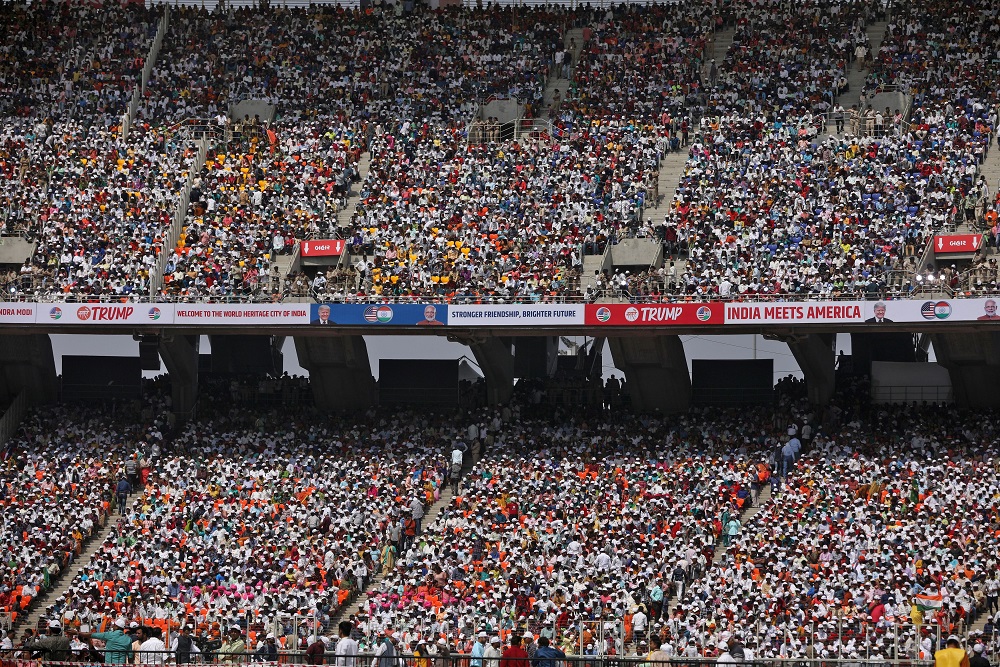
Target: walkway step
[62, 583]
[361, 602]
[354, 194]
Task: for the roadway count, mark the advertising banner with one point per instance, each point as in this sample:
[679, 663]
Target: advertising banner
[942, 310]
[354, 314]
[18, 313]
[516, 315]
[831, 312]
[98, 314]
[958, 243]
[664, 314]
[227, 314]
[323, 248]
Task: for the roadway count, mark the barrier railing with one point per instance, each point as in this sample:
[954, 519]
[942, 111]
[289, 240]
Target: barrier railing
[173, 232]
[16, 658]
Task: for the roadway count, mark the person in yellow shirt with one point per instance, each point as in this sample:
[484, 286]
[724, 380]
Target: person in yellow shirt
[952, 655]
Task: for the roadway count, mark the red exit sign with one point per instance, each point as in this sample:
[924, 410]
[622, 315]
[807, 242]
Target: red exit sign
[958, 243]
[323, 248]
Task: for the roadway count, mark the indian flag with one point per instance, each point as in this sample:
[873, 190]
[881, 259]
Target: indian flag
[928, 602]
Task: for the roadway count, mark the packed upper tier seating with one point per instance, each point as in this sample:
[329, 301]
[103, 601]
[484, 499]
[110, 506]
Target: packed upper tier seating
[68, 60]
[770, 204]
[791, 58]
[642, 64]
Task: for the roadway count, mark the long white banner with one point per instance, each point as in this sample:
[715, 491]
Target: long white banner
[516, 315]
[912, 311]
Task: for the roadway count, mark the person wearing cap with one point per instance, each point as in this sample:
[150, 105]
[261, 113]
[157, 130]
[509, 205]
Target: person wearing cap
[268, 651]
[491, 654]
[978, 659]
[478, 649]
[347, 648]
[117, 644]
[952, 655]
[386, 654]
[183, 646]
[442, 656]
[529, 645]
[54, 646]
[233, 648]
[316, 651]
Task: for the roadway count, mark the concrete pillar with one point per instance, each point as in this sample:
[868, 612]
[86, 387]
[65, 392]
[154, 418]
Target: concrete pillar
[973, 362]
[180, 355]
[497, 363]
[339, 371]
[28, 365]
[656, 371]
[817, 357]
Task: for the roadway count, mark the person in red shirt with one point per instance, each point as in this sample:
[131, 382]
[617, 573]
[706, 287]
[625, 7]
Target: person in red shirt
[514, 655]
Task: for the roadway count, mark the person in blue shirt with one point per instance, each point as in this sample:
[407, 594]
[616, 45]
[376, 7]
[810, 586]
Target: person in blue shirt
[117, 644]
[547, 656]
[122, 491]
[478, 649]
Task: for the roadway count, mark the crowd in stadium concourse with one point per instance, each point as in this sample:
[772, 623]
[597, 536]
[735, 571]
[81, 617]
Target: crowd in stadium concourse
[854, 531]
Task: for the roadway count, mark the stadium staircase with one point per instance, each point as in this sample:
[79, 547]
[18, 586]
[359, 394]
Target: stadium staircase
[991, 169]
[720, 549]
[856, 77]
[361, 602]
[63, 581]
[558, 83]
[354, 194]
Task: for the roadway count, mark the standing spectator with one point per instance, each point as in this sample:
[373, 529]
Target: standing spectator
[347, 648]
[117, 643]
[515, 655]
[54, 646]
[183, 646]
[233, 648]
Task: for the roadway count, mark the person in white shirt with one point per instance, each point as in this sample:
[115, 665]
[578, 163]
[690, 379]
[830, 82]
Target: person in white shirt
[152, 650]
[347, 648]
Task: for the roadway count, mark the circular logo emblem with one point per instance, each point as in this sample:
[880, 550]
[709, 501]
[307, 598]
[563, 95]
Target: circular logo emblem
[384, 314]
[154, 313]
[704, 313]
[55, 313]
[935, 310]
[603, 314]
[631, 314]
[83, 313]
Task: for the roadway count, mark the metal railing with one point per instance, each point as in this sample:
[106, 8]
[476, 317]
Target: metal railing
[912, 394]
[173, 233]
[707, 658]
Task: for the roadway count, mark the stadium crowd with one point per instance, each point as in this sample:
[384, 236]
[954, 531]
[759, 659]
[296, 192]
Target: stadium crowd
[856, 531]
